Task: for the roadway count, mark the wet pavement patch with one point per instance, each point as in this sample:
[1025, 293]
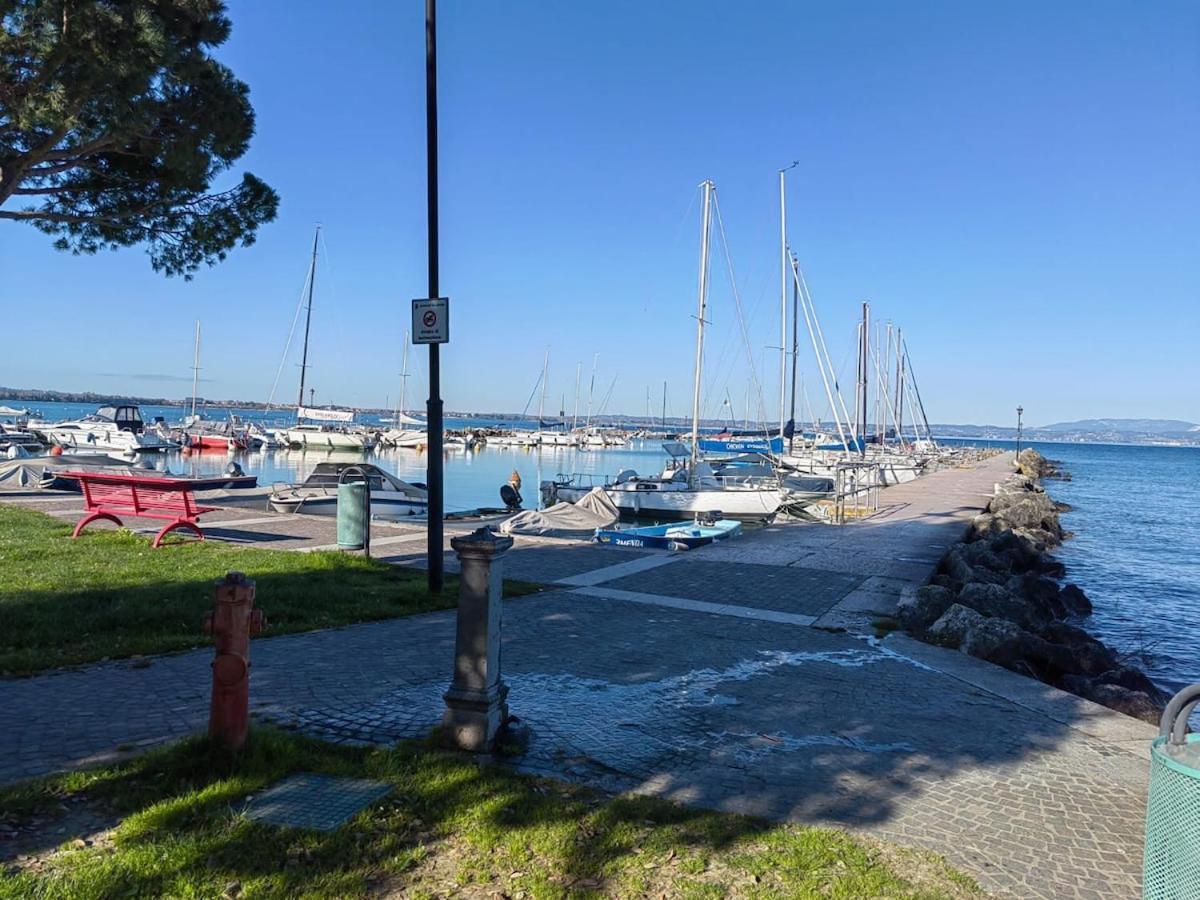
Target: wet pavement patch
[316, 802]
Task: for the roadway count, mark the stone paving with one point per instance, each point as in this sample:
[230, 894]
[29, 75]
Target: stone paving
[1035, 792]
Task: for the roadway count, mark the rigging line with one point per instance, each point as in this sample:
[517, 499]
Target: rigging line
[740, 315]
[533, 393]
[291, 334]
[604, 404]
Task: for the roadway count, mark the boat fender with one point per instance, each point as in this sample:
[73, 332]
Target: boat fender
[56, 450]
[234, 469]
[514, 481]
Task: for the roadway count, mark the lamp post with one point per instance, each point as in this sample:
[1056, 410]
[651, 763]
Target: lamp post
[1020, 412]
[433, 408]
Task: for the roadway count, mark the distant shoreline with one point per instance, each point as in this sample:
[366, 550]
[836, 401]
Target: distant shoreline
[973, 433]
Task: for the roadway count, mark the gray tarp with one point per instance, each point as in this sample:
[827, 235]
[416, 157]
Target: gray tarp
[26, 473]
[594, 510]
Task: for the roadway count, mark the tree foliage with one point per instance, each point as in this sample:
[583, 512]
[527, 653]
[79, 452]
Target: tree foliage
[115, 120]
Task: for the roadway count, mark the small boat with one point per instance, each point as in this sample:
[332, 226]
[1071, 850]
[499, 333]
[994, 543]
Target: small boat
[390, 496]
[109, 428]
[672, 536]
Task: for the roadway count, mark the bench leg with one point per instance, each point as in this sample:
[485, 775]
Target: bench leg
[93, 517]
[178, 523]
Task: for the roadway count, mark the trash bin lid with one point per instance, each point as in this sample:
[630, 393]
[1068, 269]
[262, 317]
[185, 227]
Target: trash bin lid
[1184, 758]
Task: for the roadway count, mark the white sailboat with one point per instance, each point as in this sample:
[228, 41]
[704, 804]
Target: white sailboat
[687, 486]
[407, 431]
[322, 428]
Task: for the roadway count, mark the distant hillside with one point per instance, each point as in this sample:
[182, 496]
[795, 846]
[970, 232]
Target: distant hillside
[1124, 426]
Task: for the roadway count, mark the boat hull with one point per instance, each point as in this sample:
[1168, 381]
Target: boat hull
[669, 537]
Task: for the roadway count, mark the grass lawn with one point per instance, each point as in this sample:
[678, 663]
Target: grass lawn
[451, 828]
[109, 595]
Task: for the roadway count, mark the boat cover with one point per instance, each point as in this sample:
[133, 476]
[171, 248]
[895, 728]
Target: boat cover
[593, 510]
[24, 473]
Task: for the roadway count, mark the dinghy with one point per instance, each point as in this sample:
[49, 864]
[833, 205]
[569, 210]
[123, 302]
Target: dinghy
[672, 536]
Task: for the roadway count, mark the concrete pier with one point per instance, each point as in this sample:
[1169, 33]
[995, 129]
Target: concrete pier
[739, 676]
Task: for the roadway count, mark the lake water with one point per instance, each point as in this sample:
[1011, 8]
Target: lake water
[1135, 550]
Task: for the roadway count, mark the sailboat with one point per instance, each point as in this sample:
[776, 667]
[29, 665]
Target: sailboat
[688, 485]
[408, 431]
[316, 427]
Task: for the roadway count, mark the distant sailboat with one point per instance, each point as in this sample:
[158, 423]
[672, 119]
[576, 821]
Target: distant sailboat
[322, 428]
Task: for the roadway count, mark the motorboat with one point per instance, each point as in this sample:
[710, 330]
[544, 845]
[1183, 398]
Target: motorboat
[327, 437]
[110, 428]
[671, 537]
[208, 434]
[391, 497]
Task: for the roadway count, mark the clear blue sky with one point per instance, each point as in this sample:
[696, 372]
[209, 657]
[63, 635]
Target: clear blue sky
[1015, 184]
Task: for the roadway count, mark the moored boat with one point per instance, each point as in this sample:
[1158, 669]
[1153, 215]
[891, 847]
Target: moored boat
[391, 497]
[672, 536]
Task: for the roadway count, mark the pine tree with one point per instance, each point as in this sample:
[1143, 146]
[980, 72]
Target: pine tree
[115, 120]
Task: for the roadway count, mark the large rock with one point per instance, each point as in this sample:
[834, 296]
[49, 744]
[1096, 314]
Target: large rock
[998, 641]
[1132, 703]
[923, 607]
[1087, 655]
[1076, 600]
[996, 601]
[1132, 679]
[1041, 592]
[951, 627]
[980, 555]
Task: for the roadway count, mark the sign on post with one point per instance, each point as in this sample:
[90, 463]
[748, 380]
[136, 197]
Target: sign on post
[431, 321]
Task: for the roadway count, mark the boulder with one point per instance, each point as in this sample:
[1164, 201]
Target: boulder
[1019, 552]
[1132, 679]
[922, 608]
[1123, 700]
[996, 601]
[1075, 600]
[955, 565]
[1040, 591]
[980, 555]
[952, 625]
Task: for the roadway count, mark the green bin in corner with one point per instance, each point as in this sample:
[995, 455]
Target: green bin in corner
[353, 512]
[1172, 863]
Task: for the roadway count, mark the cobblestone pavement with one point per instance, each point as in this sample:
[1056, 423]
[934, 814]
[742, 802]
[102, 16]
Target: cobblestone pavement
[1035, 792]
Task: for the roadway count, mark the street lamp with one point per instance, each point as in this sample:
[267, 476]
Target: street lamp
[1020, 412]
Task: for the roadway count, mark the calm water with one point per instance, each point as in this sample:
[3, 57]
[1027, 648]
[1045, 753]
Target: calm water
[1135, 550]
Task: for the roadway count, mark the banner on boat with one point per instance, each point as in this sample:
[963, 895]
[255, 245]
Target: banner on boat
[325, 415]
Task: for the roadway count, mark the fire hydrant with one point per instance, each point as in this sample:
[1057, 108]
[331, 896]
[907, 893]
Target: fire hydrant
[232, 621]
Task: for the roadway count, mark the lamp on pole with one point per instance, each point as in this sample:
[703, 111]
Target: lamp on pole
[1020, 412]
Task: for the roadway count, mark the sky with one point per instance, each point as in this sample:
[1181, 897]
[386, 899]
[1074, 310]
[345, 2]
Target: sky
[1015, 185]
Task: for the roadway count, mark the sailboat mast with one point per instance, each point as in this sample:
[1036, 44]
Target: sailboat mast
[312, 277]
[664, 417]
[795, 357]
[195, 368]
[863, 381]
[899, 390]
[545, 375]
[592, 389]
[575, 417]
[702, 303]
[783, 299]
[403, 407]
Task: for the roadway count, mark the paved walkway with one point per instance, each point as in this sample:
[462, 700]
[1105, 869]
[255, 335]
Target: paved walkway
[699, 677]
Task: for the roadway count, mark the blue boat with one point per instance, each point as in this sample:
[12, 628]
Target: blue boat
[719, 443]
[674, 536]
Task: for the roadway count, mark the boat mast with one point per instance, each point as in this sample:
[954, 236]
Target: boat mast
[403, 380]
[195, 368]
[664, 417]
[312, 277]
[783, 300]
[575, 417]
[795, 357]
[702, 303]
[592, 390]
[899, 390]
[542, 401]
[866, 349]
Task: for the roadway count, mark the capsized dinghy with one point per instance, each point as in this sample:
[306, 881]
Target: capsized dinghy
[673, 536]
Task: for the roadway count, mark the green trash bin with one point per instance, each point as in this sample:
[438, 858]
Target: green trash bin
[1172, 863]
[353, 511]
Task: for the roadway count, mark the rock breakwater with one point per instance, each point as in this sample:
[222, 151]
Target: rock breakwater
[997, 596]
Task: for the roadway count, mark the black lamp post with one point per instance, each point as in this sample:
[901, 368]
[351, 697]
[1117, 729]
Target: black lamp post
[1020, 412]
[433, 407]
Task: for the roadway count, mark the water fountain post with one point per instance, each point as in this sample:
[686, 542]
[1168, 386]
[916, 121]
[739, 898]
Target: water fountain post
[476, 707]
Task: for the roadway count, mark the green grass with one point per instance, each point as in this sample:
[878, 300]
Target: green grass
[110, 595]
[450, 828]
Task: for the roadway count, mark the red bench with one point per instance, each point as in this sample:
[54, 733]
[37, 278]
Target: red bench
[107, 496]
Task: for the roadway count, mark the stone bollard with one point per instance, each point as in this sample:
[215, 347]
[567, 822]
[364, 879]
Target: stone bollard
[476, 710]
[231, 622]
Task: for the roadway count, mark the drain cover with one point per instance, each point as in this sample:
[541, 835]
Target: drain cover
[318, 802]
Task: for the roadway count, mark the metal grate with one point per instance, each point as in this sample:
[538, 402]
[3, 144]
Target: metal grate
[1172, 865]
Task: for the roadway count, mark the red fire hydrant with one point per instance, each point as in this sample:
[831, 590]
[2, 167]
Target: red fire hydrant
[231, 622]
